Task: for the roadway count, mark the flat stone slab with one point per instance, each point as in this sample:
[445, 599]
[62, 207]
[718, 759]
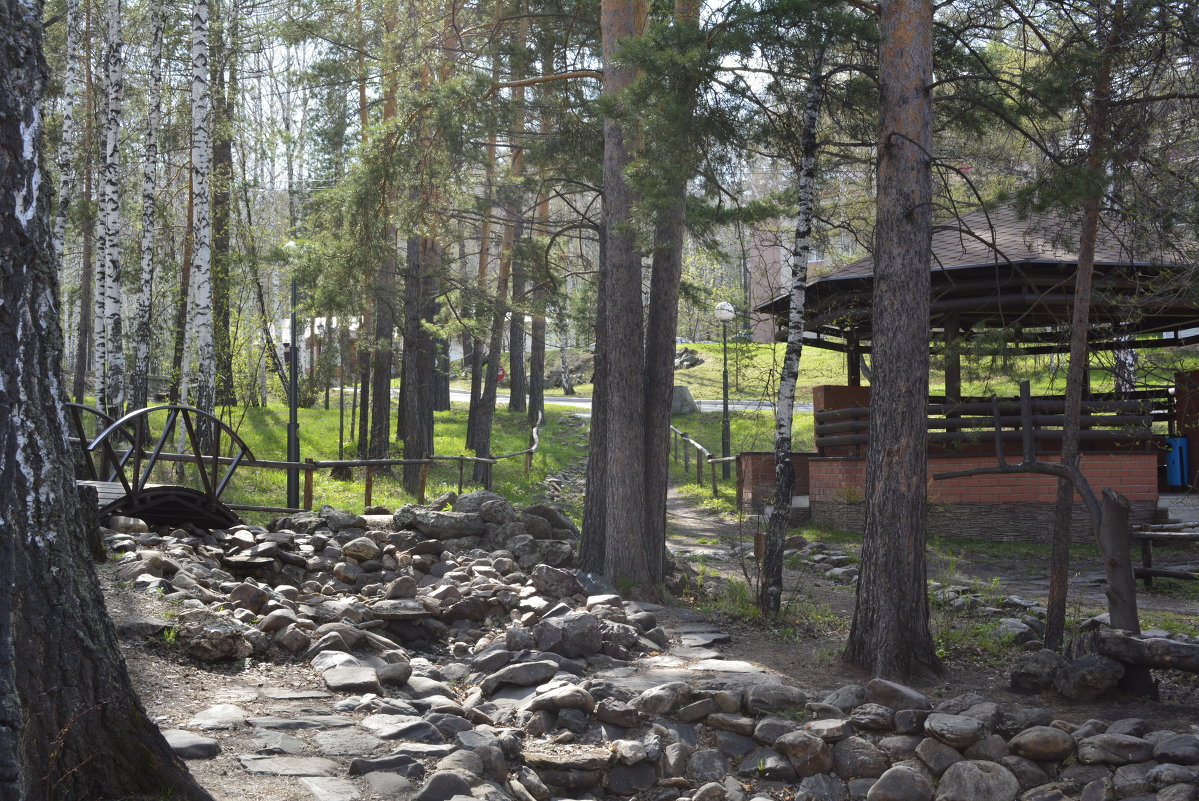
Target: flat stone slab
[221, 717]
[400, 609]
[726, 666]
[281, 723]
[347, 742]
[689, 652]
[268, 743]
[637, 680]
[705, 639]
[328, 789]
[288, 694]
[189, 745]
[289, 765]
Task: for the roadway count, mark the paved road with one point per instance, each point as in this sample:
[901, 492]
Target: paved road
[463, 395]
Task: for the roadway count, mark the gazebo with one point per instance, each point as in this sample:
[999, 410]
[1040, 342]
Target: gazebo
[1003, 280]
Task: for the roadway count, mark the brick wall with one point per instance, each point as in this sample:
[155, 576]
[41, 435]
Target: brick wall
[755, 477]
[991, 506]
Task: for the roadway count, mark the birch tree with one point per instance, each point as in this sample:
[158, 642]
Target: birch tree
[73, 95]
[200, 345]
[110, 394]
[139, 376]
[71, 725]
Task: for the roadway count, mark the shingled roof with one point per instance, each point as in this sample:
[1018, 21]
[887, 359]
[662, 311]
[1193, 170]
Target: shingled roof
[1002, 236]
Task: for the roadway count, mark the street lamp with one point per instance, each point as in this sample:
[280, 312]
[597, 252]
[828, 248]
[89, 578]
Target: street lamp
[293, 395]
[724, 312]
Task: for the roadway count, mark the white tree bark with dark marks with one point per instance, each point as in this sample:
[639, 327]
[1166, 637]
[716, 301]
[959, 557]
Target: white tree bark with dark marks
[110, 212]
[71, 726]
[72, 97]
[770, 590]
[139, 375]
[201, 347]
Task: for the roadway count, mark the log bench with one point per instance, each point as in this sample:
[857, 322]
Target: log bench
[1169, 533]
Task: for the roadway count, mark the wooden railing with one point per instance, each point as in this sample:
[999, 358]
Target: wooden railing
[951, 424]
[310, 466]
[681, 441]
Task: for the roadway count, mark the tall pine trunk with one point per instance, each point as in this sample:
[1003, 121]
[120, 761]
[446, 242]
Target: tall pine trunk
[518, 383]
[770, 589]
[139, 377]
[890, 635]
[73, 727]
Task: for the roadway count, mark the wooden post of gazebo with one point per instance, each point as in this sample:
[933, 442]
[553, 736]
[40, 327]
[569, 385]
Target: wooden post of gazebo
[853, 360]
[953, 359]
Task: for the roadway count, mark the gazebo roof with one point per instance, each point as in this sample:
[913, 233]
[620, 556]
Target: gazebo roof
[996, 270]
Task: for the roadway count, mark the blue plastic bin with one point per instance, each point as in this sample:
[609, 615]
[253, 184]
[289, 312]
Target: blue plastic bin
[1177, 462]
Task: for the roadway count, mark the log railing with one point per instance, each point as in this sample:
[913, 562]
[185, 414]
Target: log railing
[682, 443]
[953, 424]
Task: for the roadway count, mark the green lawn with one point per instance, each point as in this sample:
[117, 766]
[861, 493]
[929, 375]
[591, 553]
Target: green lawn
[563, 443]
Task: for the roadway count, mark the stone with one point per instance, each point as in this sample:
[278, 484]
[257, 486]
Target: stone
[855, 757]
[768, 730]
[522, 674]
[1130, 780]
[767, 763]
[400, 609]
[402, 764]
[990, 748]
[873, 717]
[937, 755]
[442, 786]
[1181, 749]
[738, 724]
[325, 788]
[618, 713]
[630, 779]
[697, 710]
[664, 698]
[402, 727]
[911, 721]
[352, 680]
[901, 783]
[901, 747]
[809, 754]
[847, 697]
[707, 765]
[448, 525]
[276, 742]
[1088, 677]
[346, 742]
[555, 582]
[821, 787]
[289, 765]
[362, 549]
[896, 696]
[211, 638]
[1178, 792]
[1165, 775]
[1028, 773]
[773, 698]
[218, 717]
[462, 762]
[712, 791]
[568, 696]
[971, 780]
[189, 745]
[1114, 749]
[394, 674]
[1035, 671]
[830, 729]
[956, 731]
[1042, 744]
[572, 635]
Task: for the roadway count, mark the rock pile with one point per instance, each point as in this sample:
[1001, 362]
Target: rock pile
[460, 659]
[687, 358]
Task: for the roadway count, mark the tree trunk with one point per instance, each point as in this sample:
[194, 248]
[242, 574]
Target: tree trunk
[518, 383]
[83, 344]
[110, 215]
[418, 359]
[201, 323]
[594, 547]
[222, 181]
[621, 517]
[478, 356]
[563, 328]
[73, 728]
[139, 378]
[890, 635]
[770, 589]
[73, 87]
[382, 352]
[1059, 557]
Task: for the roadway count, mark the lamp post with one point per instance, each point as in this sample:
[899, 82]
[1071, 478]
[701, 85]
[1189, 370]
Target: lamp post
[293, 398]
[724, 313]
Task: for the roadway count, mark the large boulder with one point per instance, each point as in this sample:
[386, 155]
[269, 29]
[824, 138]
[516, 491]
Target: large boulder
[448, 525]
[573, 635]
[1088, 677]
[212, 638]
[972, 780]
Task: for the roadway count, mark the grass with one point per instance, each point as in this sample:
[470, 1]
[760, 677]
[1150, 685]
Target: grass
[264, 429]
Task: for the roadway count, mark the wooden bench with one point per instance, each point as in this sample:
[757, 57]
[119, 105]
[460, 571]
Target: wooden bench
[1166, 533]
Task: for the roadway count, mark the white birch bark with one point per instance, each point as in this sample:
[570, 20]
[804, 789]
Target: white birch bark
[770, 597]
[139, 377]
[200, 322]
[110, 213]
[73, 95]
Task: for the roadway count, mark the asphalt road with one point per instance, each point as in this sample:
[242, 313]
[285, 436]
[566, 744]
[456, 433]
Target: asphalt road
[704, 405]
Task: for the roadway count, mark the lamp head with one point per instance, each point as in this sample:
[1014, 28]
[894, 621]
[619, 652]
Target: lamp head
[724, 311]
